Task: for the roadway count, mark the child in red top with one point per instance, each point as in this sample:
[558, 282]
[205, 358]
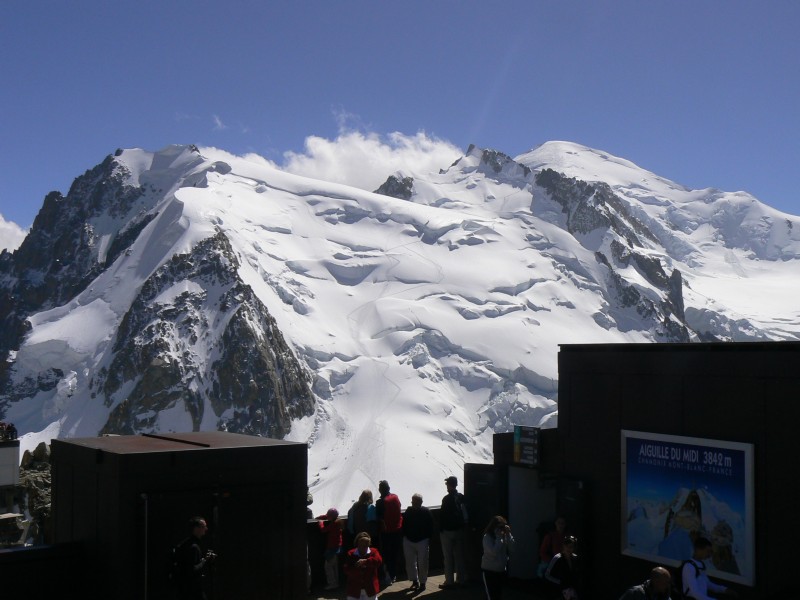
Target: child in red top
[332, 528]
[361, 566]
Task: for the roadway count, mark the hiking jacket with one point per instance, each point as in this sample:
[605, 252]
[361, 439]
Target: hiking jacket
[365, 577]
[390, 513]
[417, 524]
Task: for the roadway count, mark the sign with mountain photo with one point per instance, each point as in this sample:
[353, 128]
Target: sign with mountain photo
[676, 489]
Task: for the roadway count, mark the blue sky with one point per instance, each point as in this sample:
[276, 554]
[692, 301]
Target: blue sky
[702, 92]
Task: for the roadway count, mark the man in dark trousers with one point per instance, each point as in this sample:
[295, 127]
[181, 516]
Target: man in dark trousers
[452, 520]
[417, 532]
[389, 512]
[192, 563]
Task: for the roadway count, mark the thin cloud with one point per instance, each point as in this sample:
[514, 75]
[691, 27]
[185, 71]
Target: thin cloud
[218, 124]
[11, 235]
[365, 160]
[182, 116]
[347, 122]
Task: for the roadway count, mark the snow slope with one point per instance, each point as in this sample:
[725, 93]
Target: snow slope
[428, 323]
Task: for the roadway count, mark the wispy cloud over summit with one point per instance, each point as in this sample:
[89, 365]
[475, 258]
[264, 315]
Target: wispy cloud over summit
[365, 160]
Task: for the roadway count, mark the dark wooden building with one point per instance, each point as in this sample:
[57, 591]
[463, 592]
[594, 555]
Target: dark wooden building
[743, 393]
[127, 501]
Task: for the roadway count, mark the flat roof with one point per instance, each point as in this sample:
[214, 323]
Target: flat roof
[174, 442]
[693, 346]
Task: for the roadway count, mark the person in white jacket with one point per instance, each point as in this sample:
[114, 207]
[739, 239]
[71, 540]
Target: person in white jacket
[498, 543]
[694, 580]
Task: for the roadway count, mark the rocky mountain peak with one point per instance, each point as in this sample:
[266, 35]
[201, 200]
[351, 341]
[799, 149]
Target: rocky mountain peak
[397, 186]
[200, 290]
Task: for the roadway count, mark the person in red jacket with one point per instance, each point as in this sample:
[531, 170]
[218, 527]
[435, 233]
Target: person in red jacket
[390, 518]
[332, 528]
[361, 566]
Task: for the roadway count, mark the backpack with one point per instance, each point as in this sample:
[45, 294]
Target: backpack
[453, 514]
[357, 518]
[175, 564]
[682, 588]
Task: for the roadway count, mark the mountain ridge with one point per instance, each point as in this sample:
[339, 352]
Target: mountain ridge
[417, 320]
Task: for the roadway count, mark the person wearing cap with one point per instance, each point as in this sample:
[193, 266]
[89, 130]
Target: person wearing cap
[452, 520]
[329, 525]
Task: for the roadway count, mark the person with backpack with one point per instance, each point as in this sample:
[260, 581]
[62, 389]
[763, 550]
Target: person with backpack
[694, 581]
[452, 520]
[362, 517]
[390, 520]
[191, 564]
[658, 587]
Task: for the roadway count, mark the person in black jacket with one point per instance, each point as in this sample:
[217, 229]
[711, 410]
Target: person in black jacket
[193, 563]
[452, 520]
[417, 532]
[656, 588]
[563, 573]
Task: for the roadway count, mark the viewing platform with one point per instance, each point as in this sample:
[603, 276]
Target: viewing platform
[514, 590]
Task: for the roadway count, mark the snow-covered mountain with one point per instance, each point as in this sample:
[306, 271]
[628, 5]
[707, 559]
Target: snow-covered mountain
[394, 330]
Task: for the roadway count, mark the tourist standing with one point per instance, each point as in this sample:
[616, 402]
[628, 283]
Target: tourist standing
[361, 565]
[390, 519]
[498, 543]
[417, 532]
[193, 564]
[329, 525]
[452, 520]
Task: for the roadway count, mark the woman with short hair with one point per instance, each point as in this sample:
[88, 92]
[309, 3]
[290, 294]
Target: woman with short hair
[361, 566]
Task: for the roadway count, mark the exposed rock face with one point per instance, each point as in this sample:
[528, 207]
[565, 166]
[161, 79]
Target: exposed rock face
[210, 348]
[33, 494]
[61, 255]
[593, 206]
[255, 384]
[589, 206]
[498, 161]
[396, 187]
[496, 165]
